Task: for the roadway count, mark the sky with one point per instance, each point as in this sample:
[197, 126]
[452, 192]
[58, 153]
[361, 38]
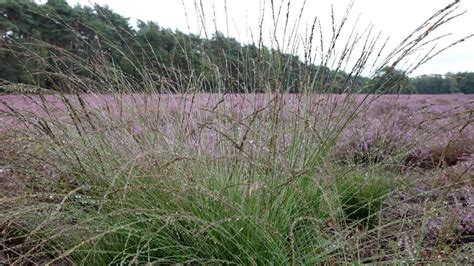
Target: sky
[241, 18]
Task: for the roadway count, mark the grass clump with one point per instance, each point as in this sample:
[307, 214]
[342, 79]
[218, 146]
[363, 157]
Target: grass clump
[362, 195]
[171, 218]
[182, 209]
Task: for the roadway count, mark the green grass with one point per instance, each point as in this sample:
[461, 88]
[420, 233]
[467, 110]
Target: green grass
[196, 211]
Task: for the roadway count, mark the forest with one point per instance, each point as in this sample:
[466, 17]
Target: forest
[55, 30]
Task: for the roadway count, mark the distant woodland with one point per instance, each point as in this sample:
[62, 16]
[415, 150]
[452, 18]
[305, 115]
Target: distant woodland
[35, 36]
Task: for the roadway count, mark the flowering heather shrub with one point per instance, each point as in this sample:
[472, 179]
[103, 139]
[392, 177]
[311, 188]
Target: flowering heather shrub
[391, 128]
[410, 131]
[444, 153]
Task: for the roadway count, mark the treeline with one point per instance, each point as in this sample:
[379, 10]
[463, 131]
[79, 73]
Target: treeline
[46, 44]
[450, 83]
[50, 45]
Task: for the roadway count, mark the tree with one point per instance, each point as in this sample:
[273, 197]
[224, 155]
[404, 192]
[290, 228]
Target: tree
[431, 84]
[391, 80]
[465, 82]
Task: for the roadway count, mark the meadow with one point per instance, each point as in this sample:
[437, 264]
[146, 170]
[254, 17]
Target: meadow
[122, 163]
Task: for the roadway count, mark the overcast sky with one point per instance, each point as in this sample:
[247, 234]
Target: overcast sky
[396, 18]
